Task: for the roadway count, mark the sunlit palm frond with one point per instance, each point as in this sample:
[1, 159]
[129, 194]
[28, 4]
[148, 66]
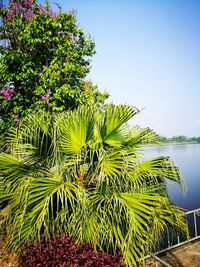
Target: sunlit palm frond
[34, 139]
[76, 129]
[47, 197]
[140, 136]
[81, 172]
[122, 221]
[12, 171]
[112, 124]
[143, 207]
[158, 169]
[112, 164]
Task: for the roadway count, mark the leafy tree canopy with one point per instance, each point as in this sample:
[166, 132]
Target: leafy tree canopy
[44, 62]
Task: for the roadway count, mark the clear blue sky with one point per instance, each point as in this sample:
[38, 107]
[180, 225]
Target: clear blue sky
[148, 56]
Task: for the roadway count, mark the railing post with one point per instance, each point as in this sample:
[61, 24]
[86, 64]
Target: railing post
[168, 240]
[195, 224]
[178, 238]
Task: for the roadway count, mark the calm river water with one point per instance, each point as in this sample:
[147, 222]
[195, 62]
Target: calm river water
[187, 158]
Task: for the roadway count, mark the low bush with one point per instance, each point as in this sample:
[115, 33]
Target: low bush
[63, 251]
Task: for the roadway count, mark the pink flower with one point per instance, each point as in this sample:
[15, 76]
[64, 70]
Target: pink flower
[45, 96]
[28, 3]
[16, 6]
[10, 91]
[29, 13]
[10, 14]
[7, 93]
[8, 97]
[41, 9]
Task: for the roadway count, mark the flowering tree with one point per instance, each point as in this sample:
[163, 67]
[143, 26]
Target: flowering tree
[44, 62]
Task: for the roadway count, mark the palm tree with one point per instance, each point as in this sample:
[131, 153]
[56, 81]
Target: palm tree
[82, 172]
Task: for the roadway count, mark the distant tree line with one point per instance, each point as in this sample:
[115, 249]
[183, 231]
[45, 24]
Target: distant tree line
[180, 139]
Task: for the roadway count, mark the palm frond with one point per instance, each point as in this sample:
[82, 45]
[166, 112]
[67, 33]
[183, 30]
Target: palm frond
[5, 196]
[158, 169]
[141, 136]
[47, 197]
[82, 172]
[112, 124]
[34, 139]
[75, 130]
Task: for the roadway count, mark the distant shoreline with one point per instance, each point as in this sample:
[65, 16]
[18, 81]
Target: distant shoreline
[179, 143]
[170, 144]
[180, 139]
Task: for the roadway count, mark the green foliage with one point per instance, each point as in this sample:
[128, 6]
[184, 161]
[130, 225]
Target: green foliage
[143, 135]
[179, 139]
[44, 63]
[82, 173]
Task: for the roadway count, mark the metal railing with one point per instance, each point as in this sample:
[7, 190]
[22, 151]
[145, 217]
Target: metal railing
[193, 221]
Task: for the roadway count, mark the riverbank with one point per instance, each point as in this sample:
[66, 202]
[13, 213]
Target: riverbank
[179, 143]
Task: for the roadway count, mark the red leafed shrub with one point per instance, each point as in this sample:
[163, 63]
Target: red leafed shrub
[62, 251]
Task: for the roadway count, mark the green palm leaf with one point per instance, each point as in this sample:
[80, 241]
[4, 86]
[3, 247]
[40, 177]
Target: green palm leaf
[82, 172]
[159, 169]
[139, 136]
[76, 129]
[34, 139]
[112, 125]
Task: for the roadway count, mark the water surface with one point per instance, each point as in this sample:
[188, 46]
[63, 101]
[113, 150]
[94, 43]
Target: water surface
[187, 158]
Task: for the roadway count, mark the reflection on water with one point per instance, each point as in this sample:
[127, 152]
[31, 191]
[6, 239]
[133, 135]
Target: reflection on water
[187, 158]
